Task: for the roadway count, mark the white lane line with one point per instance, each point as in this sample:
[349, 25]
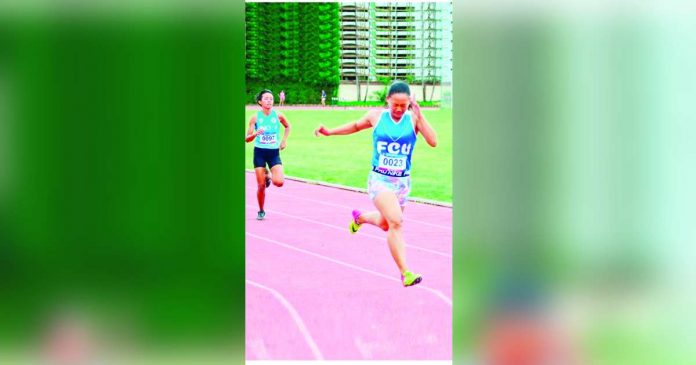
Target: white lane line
[343, 229]
[295, 317]
[437, 293]
[449, 228]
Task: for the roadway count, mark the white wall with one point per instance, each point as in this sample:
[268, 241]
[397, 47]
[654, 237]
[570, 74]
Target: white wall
[349, 92]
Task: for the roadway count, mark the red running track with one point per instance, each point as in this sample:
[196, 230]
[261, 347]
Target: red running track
[314, 291]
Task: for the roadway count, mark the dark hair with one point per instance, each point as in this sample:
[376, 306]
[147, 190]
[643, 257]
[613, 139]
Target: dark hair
[260, 94]
[398, 87]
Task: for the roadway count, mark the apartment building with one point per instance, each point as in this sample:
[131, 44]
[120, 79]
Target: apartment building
[397, 40]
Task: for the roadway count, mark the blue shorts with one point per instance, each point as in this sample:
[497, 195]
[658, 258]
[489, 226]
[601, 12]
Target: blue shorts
[266, 156]
[401, 186]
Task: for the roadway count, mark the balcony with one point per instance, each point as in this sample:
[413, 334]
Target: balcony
[395, 28]
[354, 61]
[354, 27]
[385, 52]
[399, 39]
[353, 56]
[394, 53]
[395, 47]
[350, 76]
[354, 47]
[395, 8]
[385, 62]
[354, 37]
[390, 59]
[351, 42]
[382, 46]
[353, 18]
[395, 69]
[352, 73]
[354, 68]
[396, 37]
[397, 18]
[352, 8]
[395, 75]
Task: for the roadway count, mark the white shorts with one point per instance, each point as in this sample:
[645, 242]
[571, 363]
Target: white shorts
[401, 186]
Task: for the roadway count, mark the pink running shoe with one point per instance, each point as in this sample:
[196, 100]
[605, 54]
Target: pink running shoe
[354, 225]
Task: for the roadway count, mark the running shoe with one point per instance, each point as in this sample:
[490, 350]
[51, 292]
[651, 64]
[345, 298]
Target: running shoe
[408, 278]
[354, 225]
[268, 178]
[261, 215]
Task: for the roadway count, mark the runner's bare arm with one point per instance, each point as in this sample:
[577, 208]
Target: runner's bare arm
[251, 134]
[367, 121]
[286, 124]
[422, 124]
[251, 131]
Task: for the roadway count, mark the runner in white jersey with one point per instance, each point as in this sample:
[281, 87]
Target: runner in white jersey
[389, 182]
[264, 130]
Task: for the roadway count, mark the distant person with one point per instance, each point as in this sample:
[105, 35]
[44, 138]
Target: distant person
[264, 130]
[389, 182]
[281, 96]
[323, 97]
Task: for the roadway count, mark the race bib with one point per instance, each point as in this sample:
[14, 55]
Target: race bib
[268, 138]
[392, 163]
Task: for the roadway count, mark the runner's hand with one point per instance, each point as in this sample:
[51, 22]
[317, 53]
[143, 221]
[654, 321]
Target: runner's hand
[282, 145]
[321, 130]
[259, 131]
[415, 106]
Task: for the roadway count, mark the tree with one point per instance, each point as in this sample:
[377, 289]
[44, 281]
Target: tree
[284, 53]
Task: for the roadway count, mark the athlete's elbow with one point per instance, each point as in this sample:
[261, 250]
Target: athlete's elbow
[433, 142]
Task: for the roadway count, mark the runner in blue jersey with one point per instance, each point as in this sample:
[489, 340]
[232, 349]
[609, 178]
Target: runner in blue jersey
[389, 183]
[264, 130]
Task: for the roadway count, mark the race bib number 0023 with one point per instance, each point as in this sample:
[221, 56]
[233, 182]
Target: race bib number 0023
[393, 163]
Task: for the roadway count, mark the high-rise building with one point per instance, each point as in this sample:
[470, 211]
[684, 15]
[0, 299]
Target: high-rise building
[356, 26]
[396, 40]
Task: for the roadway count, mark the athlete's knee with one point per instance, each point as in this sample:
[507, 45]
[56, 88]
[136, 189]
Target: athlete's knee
[261, 187]
[395, 223]
[278, 182]
[384, 226]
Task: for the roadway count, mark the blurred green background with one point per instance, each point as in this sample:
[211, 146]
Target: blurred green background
[574, 180]
[346, 160]
[121, 190]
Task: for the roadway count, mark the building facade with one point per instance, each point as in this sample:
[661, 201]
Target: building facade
[409, 41]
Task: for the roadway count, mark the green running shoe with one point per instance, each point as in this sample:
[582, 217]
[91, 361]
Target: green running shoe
[261, 215]
[354, 225]
[408, 278]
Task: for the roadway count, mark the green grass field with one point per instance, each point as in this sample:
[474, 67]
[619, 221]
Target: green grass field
[346, 160]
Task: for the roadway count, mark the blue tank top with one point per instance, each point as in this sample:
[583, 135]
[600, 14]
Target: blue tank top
[270, 138]
[392, 145]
